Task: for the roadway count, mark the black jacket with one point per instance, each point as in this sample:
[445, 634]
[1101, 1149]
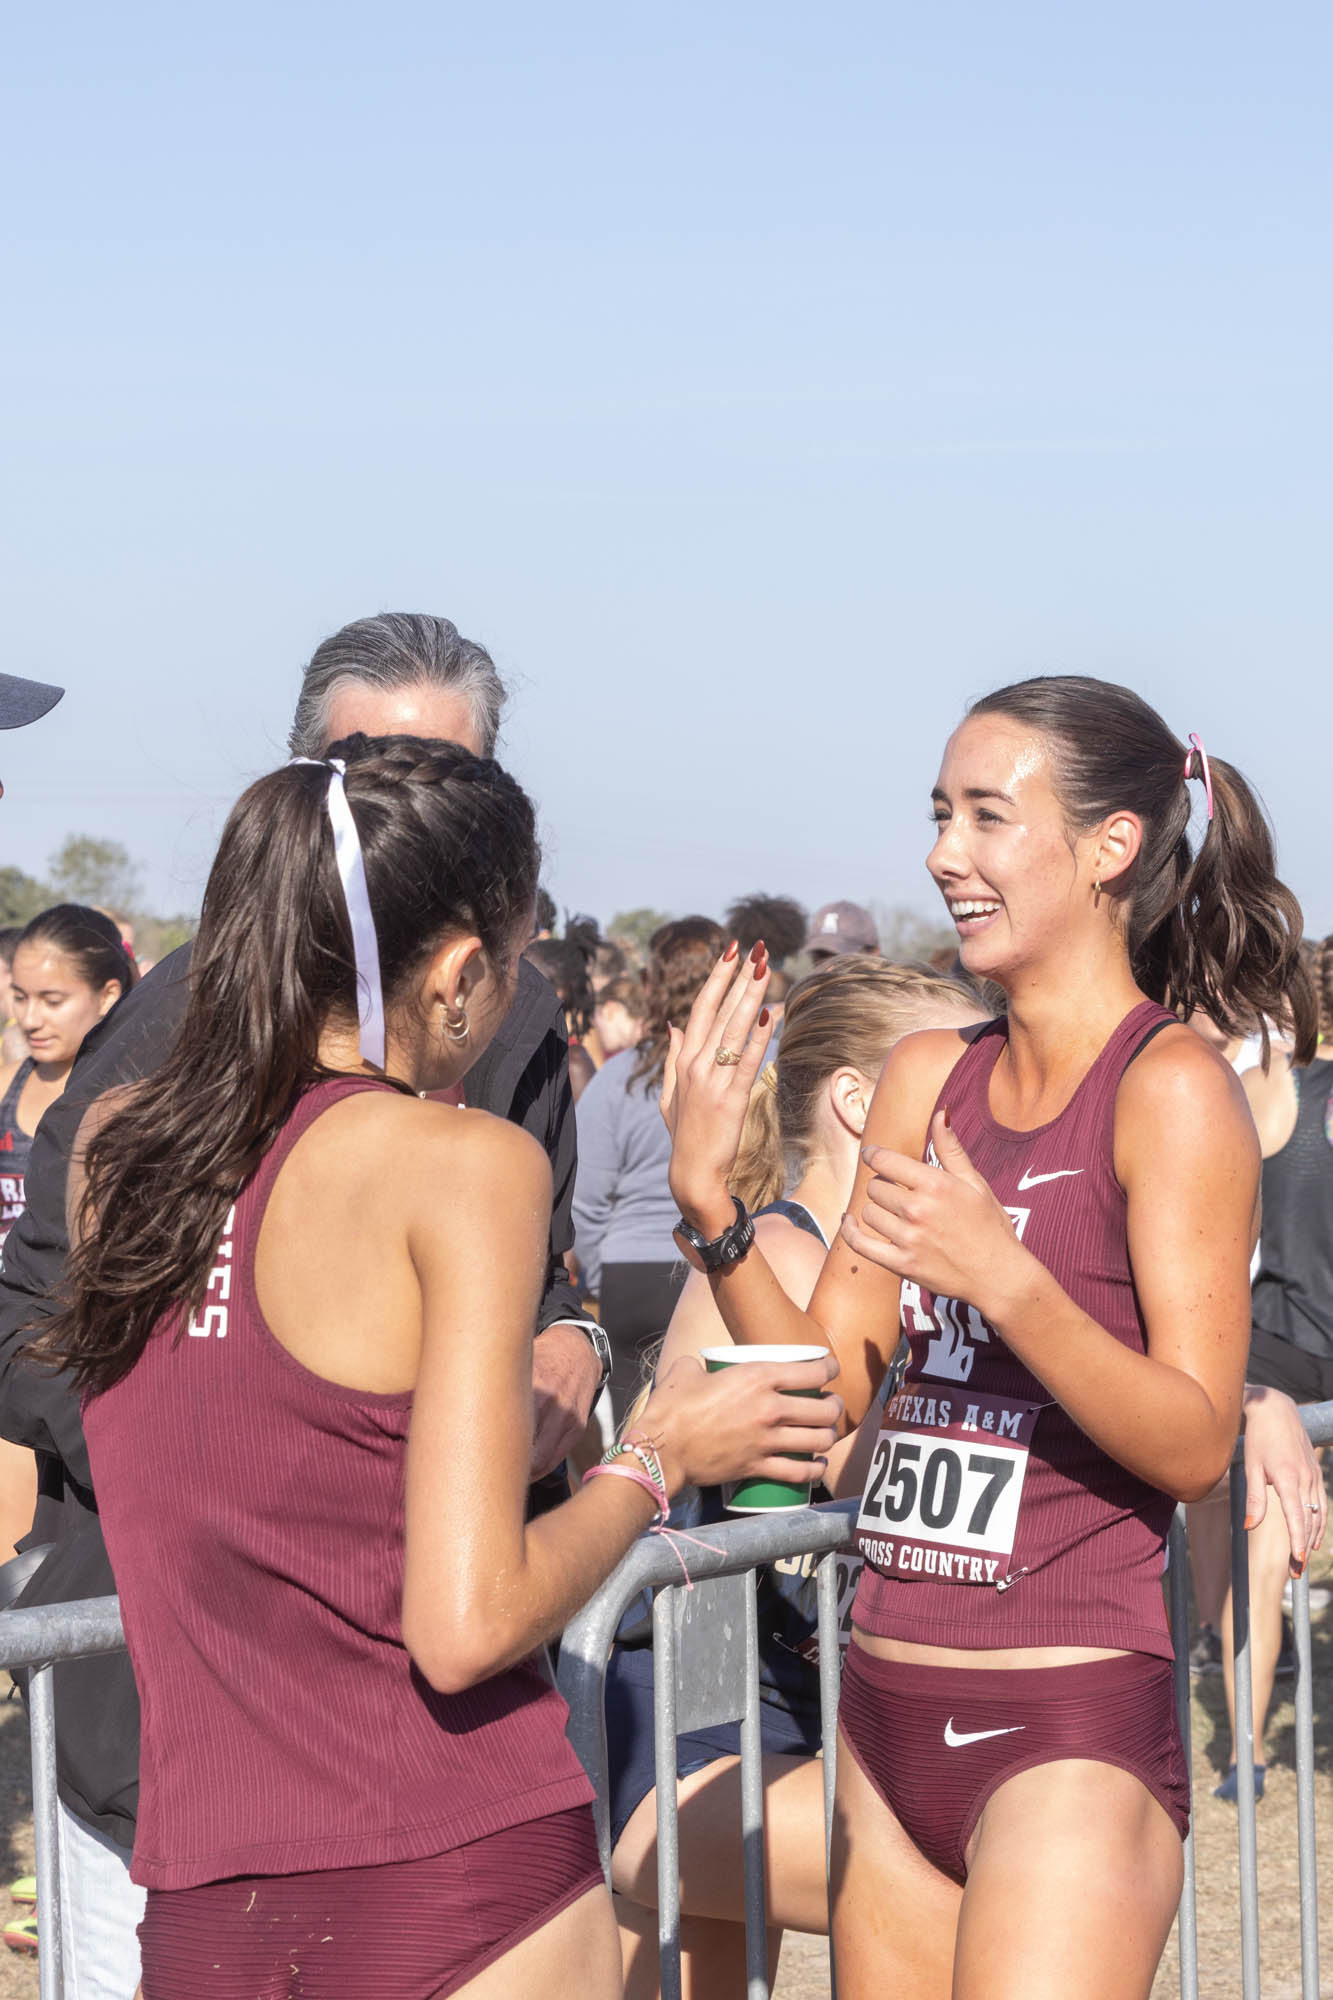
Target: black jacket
[524, 1076]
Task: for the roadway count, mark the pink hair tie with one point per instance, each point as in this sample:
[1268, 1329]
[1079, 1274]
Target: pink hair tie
[1197, 742]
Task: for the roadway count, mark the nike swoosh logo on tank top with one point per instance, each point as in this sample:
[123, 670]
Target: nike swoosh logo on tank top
[1031, 1180]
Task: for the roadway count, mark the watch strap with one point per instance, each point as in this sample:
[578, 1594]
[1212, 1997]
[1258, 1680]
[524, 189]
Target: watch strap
[724, 1250]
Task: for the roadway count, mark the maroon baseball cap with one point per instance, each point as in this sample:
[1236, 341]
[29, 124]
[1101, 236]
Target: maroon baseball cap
[840, 927]
[25, 701]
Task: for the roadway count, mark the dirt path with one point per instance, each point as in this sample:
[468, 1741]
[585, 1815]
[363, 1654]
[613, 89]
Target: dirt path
[18, 1973]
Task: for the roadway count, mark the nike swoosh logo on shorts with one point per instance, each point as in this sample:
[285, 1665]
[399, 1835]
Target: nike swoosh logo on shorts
[1031, 1180]
[955, 1741]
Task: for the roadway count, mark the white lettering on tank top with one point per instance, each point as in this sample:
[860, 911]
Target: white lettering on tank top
[960, 1329]
[212, 1315]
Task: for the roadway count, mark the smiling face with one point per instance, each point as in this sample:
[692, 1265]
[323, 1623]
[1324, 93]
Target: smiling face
[1014, 882]
[54, 1004]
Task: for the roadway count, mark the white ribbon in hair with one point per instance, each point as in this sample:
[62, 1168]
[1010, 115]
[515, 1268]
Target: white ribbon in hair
[352, 874]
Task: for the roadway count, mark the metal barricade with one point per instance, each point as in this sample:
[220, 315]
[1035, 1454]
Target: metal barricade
[36, 1638]
[738, 1547]
[1318, 1421]
[718, 1623]
[655, 1563]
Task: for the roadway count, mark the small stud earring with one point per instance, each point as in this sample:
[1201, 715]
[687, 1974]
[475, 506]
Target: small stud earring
[456, 1028]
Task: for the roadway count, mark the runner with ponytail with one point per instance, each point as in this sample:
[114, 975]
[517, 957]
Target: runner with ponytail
[1058, 1210]
[302, 1304]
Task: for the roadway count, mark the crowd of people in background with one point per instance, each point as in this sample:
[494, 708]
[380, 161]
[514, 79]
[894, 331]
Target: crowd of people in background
[359, 1263]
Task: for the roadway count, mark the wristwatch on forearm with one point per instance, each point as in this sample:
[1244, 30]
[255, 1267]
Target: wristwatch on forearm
[724, 1250]
[597, 1339]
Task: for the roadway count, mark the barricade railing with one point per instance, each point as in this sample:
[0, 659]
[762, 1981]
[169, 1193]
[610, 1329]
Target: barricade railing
[38, 1637]
[713, 1628]
[682, 1619]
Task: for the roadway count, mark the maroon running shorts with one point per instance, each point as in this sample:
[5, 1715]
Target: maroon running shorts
[936, 1742]
[405, 1930]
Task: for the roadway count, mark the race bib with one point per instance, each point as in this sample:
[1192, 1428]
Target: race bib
[945, 1484]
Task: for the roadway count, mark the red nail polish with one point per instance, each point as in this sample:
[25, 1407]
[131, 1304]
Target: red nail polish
[730, 951]
[947, 1126]
[764, 1017]
[757, 951]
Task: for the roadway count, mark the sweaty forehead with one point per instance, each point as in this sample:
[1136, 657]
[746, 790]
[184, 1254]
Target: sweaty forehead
[416, 710]
[995, 753]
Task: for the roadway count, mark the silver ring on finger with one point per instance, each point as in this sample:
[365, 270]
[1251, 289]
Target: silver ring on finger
[727, 1058]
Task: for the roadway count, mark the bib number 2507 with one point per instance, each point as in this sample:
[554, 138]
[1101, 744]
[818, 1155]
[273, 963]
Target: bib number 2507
[945, 1485]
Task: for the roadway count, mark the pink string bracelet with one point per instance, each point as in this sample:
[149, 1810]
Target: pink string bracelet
[671, 1536]
[640, 1479]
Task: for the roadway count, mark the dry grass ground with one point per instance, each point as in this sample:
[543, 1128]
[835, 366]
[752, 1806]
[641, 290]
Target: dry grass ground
[803, 1973]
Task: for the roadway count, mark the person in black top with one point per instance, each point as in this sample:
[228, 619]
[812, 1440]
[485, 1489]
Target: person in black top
[1291, 1315]
[386, 675]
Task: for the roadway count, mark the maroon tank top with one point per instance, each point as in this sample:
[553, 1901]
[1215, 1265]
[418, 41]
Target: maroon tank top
[254, 1517]
[989, 1518]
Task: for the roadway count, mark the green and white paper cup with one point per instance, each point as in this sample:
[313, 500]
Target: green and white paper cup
[763, 1496]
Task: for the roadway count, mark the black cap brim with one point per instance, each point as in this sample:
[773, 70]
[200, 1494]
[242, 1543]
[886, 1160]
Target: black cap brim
[25, 701]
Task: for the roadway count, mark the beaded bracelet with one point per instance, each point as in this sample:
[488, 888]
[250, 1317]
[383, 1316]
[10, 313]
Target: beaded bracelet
[646, 1456]
[639, 1478]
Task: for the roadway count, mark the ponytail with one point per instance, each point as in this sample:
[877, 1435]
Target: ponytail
[1323, 980]
[448, 846]
[1228, 944]
[760, 1173]
[1211, 931]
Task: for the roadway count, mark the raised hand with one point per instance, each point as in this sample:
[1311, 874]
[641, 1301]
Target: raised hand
[710, 1071]
[942, 1229]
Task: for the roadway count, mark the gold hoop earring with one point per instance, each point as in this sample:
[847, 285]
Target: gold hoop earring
[456, 1028]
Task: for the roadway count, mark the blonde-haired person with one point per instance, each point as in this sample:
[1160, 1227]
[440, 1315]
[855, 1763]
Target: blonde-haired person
[798, 1160]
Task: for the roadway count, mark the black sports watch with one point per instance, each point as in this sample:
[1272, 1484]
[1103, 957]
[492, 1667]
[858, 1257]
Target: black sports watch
[724, 1250]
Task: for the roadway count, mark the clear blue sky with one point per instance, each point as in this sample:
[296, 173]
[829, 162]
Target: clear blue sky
[758, 382]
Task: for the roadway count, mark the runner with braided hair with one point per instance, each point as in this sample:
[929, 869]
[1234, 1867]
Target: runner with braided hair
[301, 1305]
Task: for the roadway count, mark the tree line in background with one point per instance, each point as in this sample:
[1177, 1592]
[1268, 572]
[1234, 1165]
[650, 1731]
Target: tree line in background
[103, 873]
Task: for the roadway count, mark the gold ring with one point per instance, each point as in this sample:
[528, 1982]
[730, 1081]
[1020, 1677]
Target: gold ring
[727, 1058]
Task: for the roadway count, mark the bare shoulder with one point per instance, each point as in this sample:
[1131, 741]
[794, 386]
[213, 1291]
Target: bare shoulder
[1177, 1101]
[1274, 1101]
[911, 1081]
[8, 1071]
[484, 1150]
[794, 1256]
